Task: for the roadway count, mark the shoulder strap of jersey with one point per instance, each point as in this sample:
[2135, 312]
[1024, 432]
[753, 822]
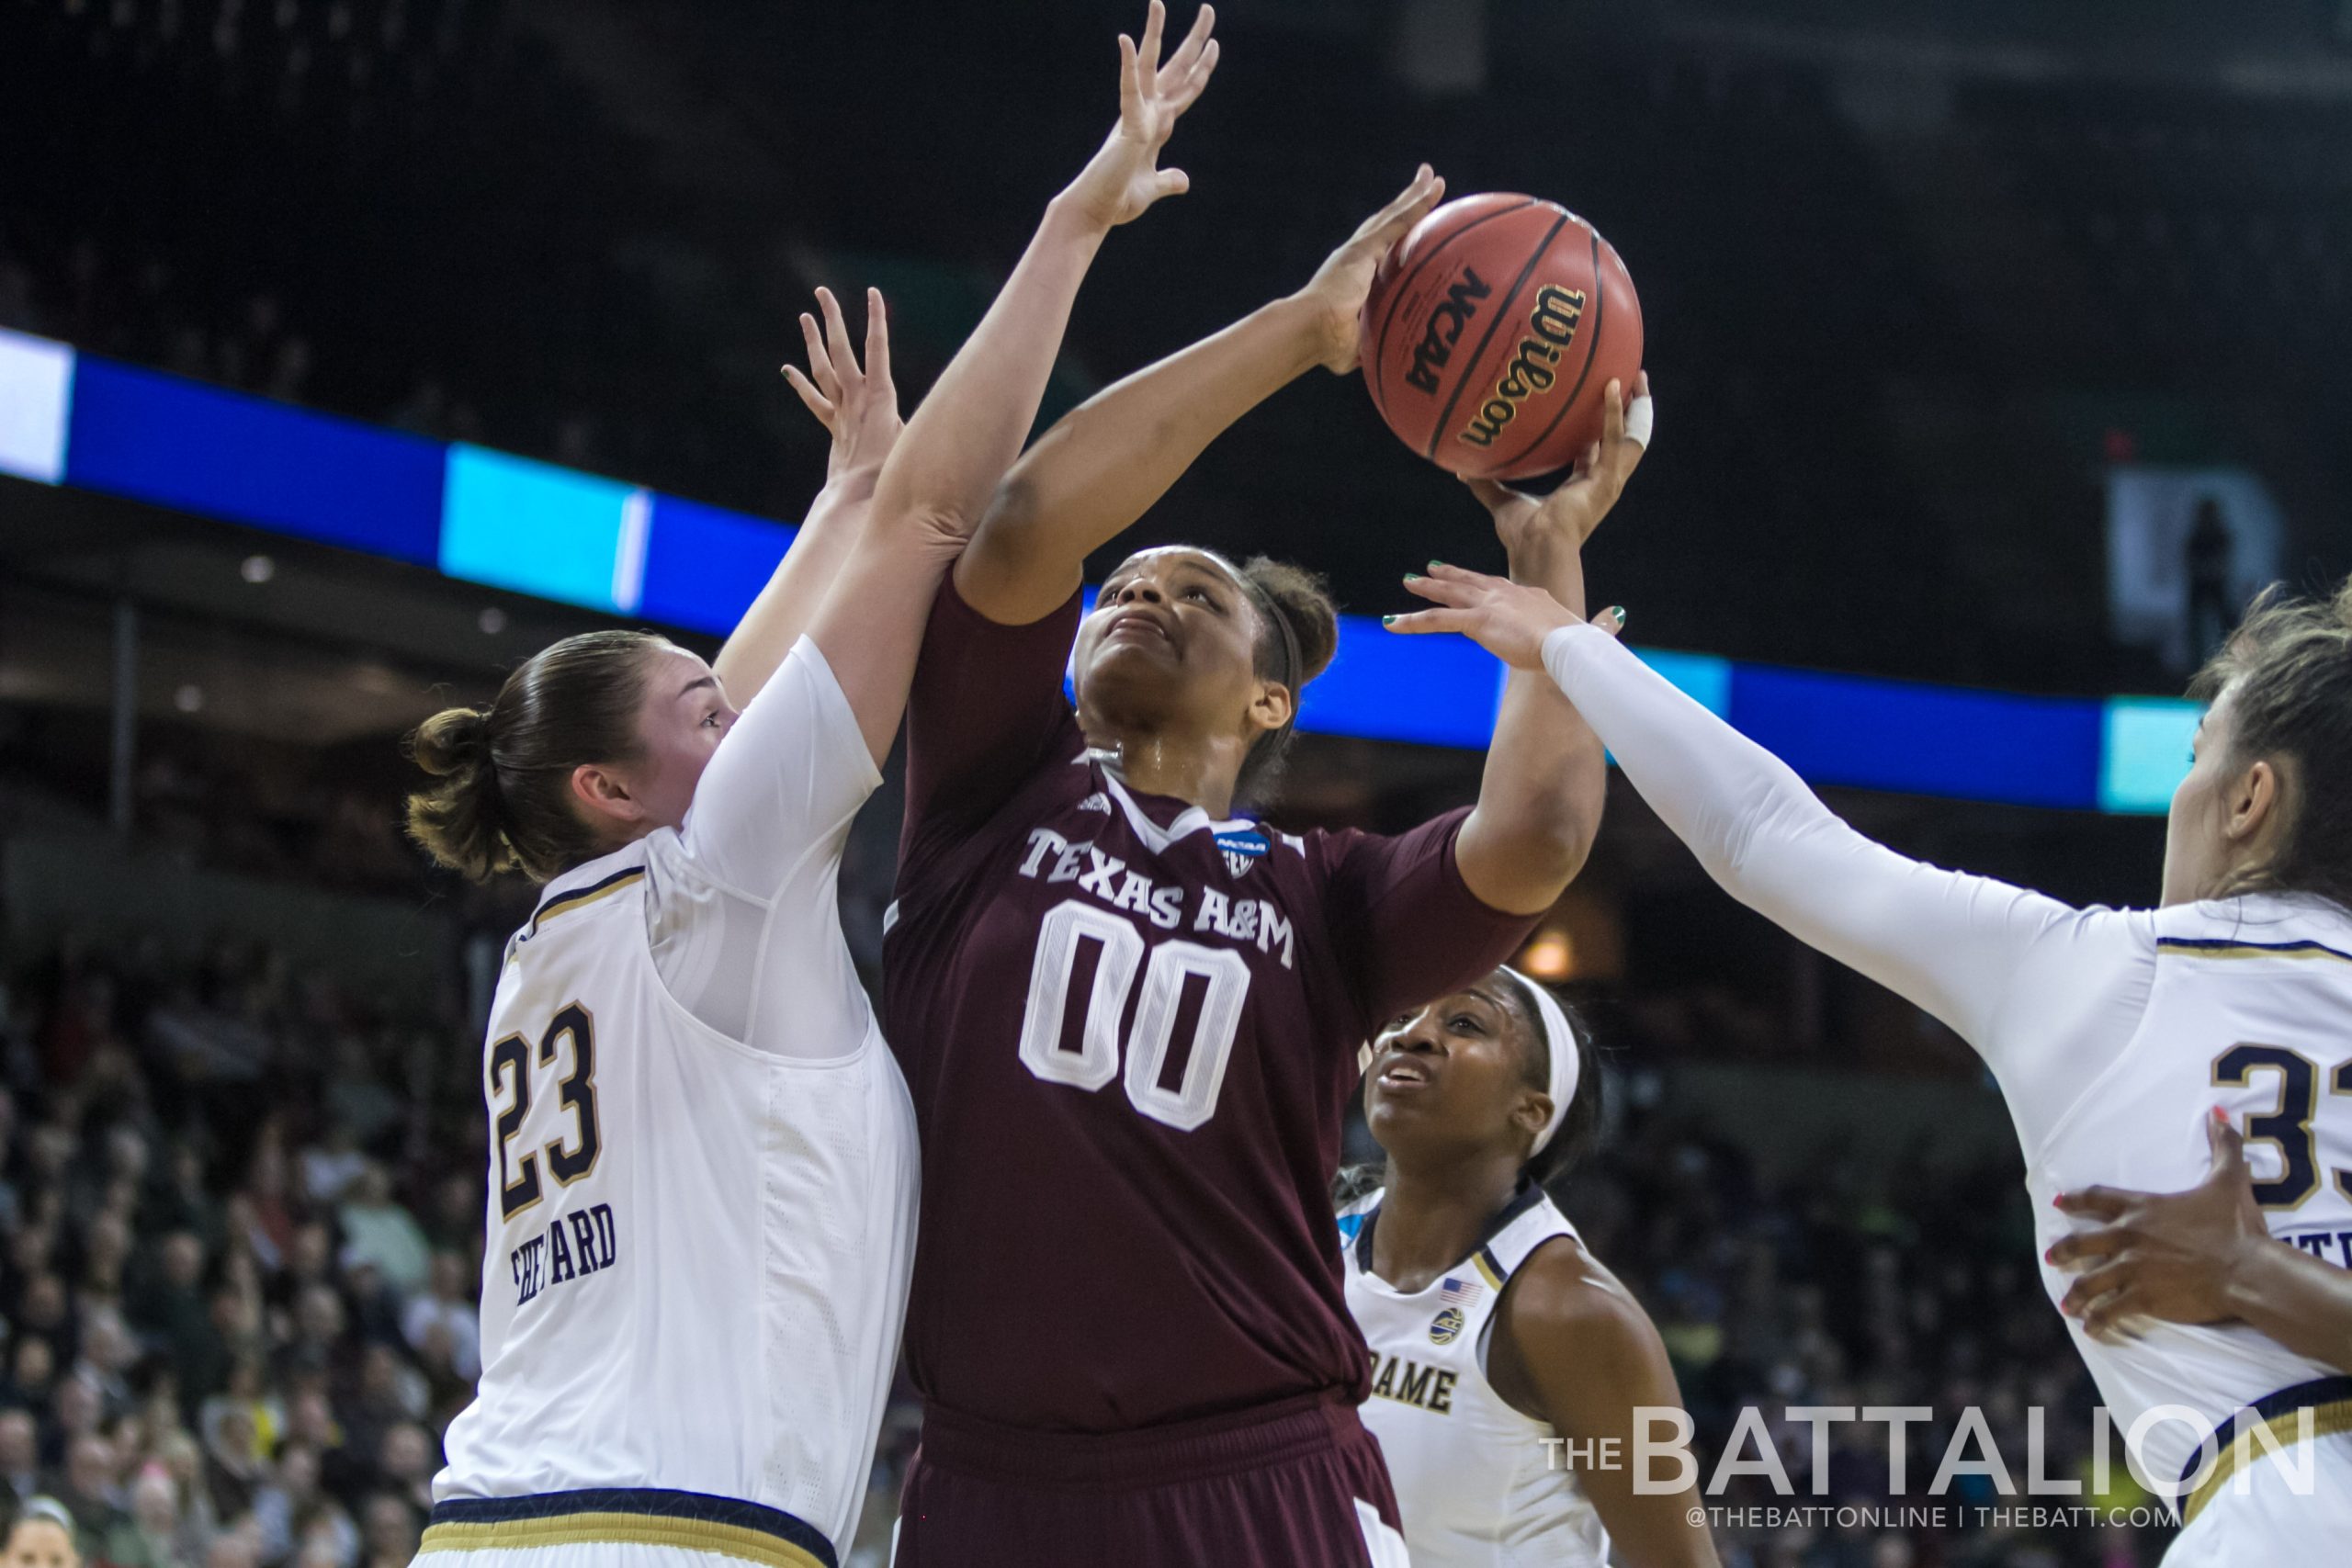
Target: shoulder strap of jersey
[576, 889]
[1531, 1220]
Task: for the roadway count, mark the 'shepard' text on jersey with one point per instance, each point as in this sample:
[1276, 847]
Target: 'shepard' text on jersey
[573, 1244]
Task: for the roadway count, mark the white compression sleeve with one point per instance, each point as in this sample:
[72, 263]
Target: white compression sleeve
[2044, 992]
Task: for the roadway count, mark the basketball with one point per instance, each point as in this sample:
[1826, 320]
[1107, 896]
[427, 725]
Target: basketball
[1492, 332]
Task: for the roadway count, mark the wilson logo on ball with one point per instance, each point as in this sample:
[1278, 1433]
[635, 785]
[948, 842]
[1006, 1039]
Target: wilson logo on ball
[1445, 329]
[1550, 328]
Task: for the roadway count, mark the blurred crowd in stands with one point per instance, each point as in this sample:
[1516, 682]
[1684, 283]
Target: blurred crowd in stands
[241, 1220]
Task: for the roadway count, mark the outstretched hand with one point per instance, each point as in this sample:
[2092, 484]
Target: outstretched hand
[1570, 514]
[1124, 178]
[857, 404]
[1339, 286]
[2168, 1255]
[1508, 619]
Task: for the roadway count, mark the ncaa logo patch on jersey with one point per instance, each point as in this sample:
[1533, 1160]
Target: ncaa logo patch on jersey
[1446, 1327]
[1242, 849]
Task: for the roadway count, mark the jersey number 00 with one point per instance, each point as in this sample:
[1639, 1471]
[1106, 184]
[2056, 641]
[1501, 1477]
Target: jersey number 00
[1223, 974]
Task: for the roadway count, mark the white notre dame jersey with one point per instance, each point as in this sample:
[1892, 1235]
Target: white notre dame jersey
[2113, 1034]
[698, 1246]
[2250, 1010]
[1478, 1484]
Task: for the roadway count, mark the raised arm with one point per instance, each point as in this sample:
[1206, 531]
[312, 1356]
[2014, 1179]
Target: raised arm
[1539, 802]
[2004, 967]
[940, 475]
[1104, 463]
[858, 405]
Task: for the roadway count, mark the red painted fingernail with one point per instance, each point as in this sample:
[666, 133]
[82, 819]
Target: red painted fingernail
[2058, 1199]
[2221, 1116]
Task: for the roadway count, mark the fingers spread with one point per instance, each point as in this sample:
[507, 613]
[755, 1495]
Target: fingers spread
[1155, 20]
[837, 344]
[878, 338]
[2097, 1203]
[2078, 1250]
[1420, 621]
[2105, 1279]
[821, 364]
[1189, 52]
[1438, 591]
[1130, 83]
[1176, 99]
[815, 400]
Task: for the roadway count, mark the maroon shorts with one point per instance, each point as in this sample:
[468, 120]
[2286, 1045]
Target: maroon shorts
[1298, 1484]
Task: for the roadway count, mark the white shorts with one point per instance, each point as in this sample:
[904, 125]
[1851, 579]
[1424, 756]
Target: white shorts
[618, 1528]
[2287, 1515]
[577, 1554]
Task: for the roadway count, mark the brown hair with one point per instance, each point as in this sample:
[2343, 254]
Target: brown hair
[501, 795]
[1303, 604]
[2289, 669]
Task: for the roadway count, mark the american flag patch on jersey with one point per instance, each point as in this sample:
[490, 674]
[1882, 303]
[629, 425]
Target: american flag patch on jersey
[1457, 1293]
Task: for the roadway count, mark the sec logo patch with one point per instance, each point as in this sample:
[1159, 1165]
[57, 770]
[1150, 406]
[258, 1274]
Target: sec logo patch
[1447, 1328]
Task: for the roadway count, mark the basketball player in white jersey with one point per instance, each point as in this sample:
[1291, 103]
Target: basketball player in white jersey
[1509, 1365]
[702, 1154]
[2112, 1032]
[702, 1161]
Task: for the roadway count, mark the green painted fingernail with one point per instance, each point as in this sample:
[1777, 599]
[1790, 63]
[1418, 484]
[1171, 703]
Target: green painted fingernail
[1387, 620]
[1618, 611]
[1435, 564]
[1412, 577]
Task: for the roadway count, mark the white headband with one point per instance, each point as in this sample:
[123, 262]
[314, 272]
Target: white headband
[1560, 1047]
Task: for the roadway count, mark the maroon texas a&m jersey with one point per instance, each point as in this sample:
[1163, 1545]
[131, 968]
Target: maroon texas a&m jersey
[1131, 1033]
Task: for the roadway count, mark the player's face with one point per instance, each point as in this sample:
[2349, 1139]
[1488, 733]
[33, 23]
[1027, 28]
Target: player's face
[1452, 1077]
[1172, 641]
[2198, 848]
[41, 1543]
[685, 717]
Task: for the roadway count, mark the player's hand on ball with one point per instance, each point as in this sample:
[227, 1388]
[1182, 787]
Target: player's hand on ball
[1337, 289]
[1125, 178]
[858, 404]
[1570, 514]
[2169, 1255]
[1508, 619]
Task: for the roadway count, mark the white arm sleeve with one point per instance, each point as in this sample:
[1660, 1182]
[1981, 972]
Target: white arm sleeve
[744, 923]
[2046, 994]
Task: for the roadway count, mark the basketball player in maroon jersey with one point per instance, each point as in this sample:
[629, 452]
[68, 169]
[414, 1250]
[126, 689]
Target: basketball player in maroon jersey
[1130, 1017]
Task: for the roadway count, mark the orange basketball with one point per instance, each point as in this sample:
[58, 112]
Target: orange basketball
[1492, 332]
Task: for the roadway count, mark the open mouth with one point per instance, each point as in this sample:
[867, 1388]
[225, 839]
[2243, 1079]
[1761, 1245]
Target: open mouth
[1403, 1075]
[1136, 622]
